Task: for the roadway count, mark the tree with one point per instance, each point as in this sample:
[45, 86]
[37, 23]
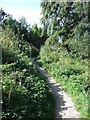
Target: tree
[70, 20]
[2, 15]
[80, 35]
[58, 16]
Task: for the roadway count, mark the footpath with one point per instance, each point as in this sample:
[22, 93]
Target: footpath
[64, 105]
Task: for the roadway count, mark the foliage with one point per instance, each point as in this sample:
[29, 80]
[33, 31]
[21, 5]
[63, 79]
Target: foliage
[63, 46]
[66, 52]
[26, 94]
[38, 39]
[70, 21]
[33, 35]
[71, 73]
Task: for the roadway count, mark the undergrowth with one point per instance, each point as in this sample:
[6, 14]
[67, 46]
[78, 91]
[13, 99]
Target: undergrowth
[72, 74]
[25, 93]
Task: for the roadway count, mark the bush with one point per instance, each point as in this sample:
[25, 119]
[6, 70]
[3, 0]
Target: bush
[71, 73]
[25, 93]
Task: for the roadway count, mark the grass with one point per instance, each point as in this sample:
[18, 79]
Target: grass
[72, 74]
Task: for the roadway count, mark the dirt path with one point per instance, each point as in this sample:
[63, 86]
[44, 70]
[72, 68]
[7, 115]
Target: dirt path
[64, 105]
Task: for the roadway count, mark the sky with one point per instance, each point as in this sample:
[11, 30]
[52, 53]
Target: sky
[30, 9]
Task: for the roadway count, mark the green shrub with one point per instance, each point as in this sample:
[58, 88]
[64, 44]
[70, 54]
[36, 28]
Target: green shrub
[71, 73]
[25, 93]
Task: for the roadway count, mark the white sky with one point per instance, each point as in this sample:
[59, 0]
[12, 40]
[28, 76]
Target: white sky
[27, 8]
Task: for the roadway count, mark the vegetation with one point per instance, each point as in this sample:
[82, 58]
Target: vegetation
[61, 46]
[25, 94]
[65, 55]
[71, 73]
